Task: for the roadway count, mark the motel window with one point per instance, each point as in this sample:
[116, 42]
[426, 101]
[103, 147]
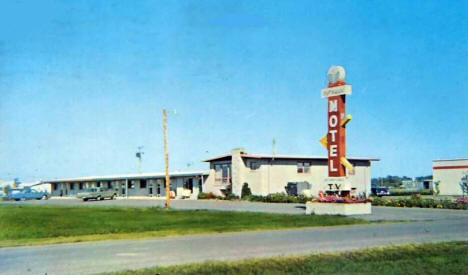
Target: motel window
[303, 167]
[98, 184]
[131, 184]
[72, 186]
[80, 186]
[142, 183]
[218, 173]
[254, 165]
[223, 173]
[54, 186]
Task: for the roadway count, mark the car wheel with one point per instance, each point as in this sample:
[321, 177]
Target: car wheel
[85, 199]
[112, 197]
[17, 199]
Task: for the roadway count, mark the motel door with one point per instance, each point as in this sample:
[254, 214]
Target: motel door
[158, 188]
[151, 189]
[189, 184]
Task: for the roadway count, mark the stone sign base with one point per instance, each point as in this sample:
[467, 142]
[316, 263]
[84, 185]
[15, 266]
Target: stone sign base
[325, 208]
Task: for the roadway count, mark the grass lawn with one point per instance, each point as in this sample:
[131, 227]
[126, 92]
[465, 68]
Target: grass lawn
[442, 258]
[30, 225]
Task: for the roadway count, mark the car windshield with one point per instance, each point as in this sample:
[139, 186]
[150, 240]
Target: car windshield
[92, 190]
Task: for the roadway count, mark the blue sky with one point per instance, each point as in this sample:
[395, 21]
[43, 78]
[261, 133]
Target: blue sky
[83, 83]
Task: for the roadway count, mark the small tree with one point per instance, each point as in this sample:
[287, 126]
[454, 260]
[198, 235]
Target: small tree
[437, 187]
[6, 189]
[464, 185]
[229, 189]
[245, 190]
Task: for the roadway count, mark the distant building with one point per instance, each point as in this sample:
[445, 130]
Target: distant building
[417, 184]
[448, 175]
[410, 184]
[268, 174]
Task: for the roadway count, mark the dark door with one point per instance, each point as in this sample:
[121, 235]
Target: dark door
[189, 184]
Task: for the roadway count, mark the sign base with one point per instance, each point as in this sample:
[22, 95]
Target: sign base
[344, 209]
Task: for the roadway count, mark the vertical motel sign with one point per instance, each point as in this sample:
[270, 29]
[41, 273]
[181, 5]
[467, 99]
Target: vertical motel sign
[335, 140]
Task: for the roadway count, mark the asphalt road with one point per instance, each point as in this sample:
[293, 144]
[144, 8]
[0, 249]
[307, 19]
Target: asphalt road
[87, 258]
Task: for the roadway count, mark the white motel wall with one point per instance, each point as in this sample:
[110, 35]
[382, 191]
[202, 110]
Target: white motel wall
[268, 174]
[264, 174]
[448, 174]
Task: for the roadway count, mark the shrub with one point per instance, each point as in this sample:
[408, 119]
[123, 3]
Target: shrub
[462, 200]
[406, 192]
[245, 190]
[230, 197]
[277, 198]
[206, 196]
[229, 189]
[427, 192]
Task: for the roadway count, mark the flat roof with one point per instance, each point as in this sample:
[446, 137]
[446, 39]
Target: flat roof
[291, 157]
[130, 176]
[449, 159]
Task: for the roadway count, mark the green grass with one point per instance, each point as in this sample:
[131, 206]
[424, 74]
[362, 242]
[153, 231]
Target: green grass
[426, 259]
[30, 225]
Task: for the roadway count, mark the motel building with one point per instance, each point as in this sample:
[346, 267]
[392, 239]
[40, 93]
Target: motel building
[183, 184]
[264, 174]
[448, 175]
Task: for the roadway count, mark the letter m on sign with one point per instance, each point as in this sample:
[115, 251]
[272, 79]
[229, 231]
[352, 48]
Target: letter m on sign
[333, 106]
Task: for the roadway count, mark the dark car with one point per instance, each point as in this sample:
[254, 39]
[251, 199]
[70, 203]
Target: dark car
[379, 190]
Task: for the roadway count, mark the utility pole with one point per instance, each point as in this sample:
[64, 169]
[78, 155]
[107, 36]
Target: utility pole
[166, 158]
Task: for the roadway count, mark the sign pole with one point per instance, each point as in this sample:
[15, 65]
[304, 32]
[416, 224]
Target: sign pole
[335, 140]
[166, 158]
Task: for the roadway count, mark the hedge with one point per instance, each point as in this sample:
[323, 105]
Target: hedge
[275, 198]
[211, 196]
[406, 192]
[422, 203]
[278, 198]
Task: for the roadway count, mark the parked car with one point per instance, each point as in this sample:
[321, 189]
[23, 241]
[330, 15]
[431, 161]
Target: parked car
[96, 193]
[26, 194]
[379, 190]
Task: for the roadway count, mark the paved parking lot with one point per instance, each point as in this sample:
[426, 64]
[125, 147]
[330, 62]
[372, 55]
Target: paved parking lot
[378, 213]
